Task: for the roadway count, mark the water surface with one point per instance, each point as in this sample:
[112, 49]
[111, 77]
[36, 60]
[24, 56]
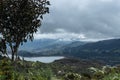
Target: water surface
[49, 59]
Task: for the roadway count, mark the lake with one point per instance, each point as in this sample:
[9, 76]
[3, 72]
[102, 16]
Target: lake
[49, 59]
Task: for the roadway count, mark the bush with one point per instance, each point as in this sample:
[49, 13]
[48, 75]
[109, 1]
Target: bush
[72, 76]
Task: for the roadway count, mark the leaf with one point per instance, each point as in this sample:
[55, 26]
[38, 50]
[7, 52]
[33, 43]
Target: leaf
[48, 2]
[41, 17]
[47, 10]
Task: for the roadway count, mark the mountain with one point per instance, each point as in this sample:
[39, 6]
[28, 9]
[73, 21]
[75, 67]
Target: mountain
[40, 44]
[105, 46]
[47, 47]
[75, 44]
[106, 51]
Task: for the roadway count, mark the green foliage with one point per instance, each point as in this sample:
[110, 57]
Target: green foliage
[32, 75]
[112, 76]
[106, 73]
[2, 46]
[23, 71]
[5, 69]
[72, 76]
[20, 19]
[26, 70]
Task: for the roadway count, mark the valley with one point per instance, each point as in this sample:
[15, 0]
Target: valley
[106, 51]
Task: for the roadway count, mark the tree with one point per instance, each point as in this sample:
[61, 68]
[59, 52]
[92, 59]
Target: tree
[19, 20]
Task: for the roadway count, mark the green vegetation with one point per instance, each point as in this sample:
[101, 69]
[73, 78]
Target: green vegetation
[106, 73]
[19, 20]
[26, 70]
[23, 70]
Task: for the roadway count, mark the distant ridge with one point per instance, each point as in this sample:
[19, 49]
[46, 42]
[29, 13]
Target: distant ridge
[107, 51]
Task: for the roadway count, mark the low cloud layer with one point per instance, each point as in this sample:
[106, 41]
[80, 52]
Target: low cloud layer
[61, 35]
[95, 19]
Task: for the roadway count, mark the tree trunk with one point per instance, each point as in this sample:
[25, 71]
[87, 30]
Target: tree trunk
[16, 49]
[12, 56]
[12, 50]
[16, 52]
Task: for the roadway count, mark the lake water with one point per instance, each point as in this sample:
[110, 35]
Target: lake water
[48, 59]
[44, 59]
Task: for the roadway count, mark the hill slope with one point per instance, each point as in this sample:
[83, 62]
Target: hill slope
[107, 51]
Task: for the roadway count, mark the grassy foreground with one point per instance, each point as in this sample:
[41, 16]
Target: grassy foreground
[26, 70]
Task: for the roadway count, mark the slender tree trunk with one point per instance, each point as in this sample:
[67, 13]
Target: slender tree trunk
[16, 52]
[12, 56]
[12, 50]
[16, 49]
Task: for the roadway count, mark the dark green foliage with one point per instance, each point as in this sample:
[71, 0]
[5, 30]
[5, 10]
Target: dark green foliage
[20, 19]
[5, 69]
[23, 70]
[3, 46]
[72, 76]
[61, 67]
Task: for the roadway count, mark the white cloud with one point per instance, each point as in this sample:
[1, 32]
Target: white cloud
[95, 19]
[66, 36]
[60, 34]
[60, 30]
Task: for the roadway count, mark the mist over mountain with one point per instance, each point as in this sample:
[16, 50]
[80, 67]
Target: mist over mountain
[40, 44]
[48, 46]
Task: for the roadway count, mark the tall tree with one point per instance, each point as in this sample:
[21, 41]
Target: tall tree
[19, 20]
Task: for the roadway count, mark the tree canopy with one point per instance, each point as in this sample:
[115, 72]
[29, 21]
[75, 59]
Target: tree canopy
[19, 20]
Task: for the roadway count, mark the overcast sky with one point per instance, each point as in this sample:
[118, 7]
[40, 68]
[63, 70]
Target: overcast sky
[82, 20]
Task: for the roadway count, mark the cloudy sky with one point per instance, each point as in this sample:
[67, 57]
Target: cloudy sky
[81, 20]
